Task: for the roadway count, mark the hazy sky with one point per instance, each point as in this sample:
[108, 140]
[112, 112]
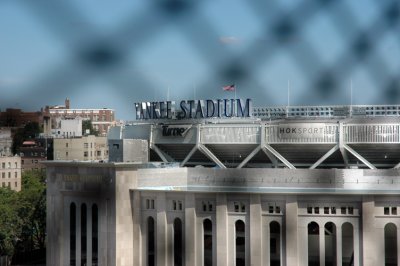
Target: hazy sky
[114, 53]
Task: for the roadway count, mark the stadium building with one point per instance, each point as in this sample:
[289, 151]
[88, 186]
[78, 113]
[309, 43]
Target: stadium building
[187, 185]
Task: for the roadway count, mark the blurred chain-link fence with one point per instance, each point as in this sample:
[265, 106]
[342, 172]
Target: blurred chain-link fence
[319, 46]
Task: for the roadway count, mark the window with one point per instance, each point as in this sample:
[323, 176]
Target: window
[239, 206]
[151, 241]
[178, 242]
[16, 184]
[351, 210]
[3, 165]
[9, 164]
[83, 234]
[9, 174]
[316, 210]
[85, 154]
[207, 242]
[15, 174]
[66, 145]
[16, 165]
[270, 209]
[309, 210]
[275, 239]
[386, 211]
[66, 154]
[22, 161]
[343, 210]
[3, 175]
[333, 210]
[326, 210]
[95, 222]
[98, 153]
[72, 233]
[240, 243]
[394, 210]
[116, 146]
[85, 145]
[177, 205]
[150, 204]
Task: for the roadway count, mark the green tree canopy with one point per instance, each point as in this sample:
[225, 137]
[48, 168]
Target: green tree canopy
[87, 125]
[23, 215]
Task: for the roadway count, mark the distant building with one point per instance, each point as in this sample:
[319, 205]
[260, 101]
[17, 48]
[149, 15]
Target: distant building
[101, 119]
[34, 152]
[69, 128]
[10, 172]
[86, 148]
[5, 141]
[18, 118]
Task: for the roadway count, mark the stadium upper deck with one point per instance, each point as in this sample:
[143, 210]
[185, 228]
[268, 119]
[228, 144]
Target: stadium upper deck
[292, 137]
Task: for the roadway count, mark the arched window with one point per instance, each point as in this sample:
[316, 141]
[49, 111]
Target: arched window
[347, 244]
[95, 234]
[72, 233]
[313, 244]
[83, 234]
[240, 242]
[275, 243]
[208, 245]
[330, 244]
[151, 247]
[178, 242]
[390, 245]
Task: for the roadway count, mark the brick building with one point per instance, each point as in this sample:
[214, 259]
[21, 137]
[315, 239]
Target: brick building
[101, 119]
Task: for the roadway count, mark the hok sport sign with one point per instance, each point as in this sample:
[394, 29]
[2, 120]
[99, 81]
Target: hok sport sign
[301, 131]
[193, 109]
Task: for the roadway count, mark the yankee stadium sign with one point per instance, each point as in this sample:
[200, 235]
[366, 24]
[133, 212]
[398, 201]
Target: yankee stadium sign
[193, 109]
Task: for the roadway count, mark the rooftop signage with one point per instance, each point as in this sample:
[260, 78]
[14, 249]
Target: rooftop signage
[193, 109]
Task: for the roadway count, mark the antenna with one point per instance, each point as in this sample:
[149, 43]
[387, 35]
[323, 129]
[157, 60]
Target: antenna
[351, 97]
[288, 93]
[168, 94]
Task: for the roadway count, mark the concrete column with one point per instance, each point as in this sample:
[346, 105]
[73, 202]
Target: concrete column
[255, 230]
[78, 234]
[190, 230]
[222, 230]
[379, 245]
[398, 246]
[370, 252]
[161, 250]
[89, 235]
[321, 244]
[338, 245]
[356, 244]
[265, 243]
[137, 231]
[67, 233]
[292, 239]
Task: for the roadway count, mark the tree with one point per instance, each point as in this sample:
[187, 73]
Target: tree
[23, 215]
[87, 124]
[10, 222]
[32, 211]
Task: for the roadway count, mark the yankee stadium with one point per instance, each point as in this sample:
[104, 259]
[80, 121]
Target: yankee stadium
[220, 182]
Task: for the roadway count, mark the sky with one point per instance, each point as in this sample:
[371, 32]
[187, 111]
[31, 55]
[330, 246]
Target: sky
[112, 54]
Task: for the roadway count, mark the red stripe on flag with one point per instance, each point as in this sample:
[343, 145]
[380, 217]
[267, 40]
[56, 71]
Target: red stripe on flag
[229, 88]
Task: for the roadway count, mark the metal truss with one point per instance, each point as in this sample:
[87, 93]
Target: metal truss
[273, 155]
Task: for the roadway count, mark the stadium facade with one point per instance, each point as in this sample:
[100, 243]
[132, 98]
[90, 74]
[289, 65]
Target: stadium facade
[274, 186]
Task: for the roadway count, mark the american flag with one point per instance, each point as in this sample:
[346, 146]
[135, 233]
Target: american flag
[229, 87]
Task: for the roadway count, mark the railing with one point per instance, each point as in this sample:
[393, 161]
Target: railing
[326, 111]
[234, 134]
[371, 133]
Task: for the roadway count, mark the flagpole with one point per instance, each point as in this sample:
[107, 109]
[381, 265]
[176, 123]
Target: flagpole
[351, 97]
